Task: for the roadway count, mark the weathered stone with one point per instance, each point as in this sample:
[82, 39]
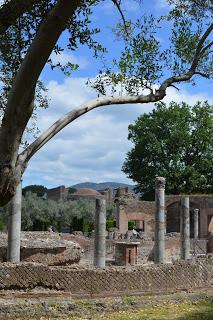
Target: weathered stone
[14, 226]
[160, 220]
[100, 234]
[90, 281]
[185, 228]
[44, 247]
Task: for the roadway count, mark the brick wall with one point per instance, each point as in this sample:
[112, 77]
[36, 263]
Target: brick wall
[111, 280]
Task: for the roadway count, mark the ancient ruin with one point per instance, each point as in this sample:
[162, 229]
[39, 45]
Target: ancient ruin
[147, 259]
[49, 248]
[130, 208]
[175, 235]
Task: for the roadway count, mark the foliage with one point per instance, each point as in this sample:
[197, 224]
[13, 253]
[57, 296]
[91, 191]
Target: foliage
[175, 142]
[38, 189]
[110, 223]
[3, 222]
[38, 213]
[71, 190]
[138, 68]
[17, 39]
[131, 225]
[111, 211]
[146, 59]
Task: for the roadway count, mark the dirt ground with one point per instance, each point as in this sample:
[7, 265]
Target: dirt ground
[45, 305]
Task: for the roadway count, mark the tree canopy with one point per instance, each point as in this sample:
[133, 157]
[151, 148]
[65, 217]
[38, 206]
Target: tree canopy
[146, 68]
[39, 190]
[39, 213]
[175, 142]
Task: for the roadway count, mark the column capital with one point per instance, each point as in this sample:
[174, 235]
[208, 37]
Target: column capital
[160, 182]
[196, 211]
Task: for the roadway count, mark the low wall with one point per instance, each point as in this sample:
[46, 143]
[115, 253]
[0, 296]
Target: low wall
[110, 280]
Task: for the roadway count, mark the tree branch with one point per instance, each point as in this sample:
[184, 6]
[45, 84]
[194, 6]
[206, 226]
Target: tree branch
[203, 74]
[199, 48]
[206, 47]
[117, 4]
[159, 94]
[10, 12]
[192, 70]
[74, 114]
[172, 85]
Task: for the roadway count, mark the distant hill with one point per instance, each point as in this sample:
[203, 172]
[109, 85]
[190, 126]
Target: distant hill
[102, 185]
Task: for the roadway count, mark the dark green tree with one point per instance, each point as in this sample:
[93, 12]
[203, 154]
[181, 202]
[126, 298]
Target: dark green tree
[34, 188]
[175, 142]
[71, 190]
[38, 214]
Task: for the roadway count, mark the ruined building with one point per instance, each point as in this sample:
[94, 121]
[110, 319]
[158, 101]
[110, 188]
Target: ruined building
[142, 212]
[57, 194]
[129, 207]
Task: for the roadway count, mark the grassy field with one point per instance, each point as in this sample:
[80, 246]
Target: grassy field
[197, 305]
[199, 310]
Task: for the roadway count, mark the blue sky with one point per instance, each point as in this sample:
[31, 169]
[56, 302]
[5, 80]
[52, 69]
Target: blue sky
[94, 147]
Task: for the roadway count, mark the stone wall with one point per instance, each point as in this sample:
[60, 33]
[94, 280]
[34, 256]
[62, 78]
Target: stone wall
[202, 202]
[111, 280]
[131, 208]
[57, 194]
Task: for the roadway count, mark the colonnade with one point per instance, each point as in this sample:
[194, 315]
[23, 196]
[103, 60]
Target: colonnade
[100, 227]
[160, 227]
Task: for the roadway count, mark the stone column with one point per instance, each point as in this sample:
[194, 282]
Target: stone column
[196, 223]
[117, 215]
[159, 255]
[185, 228]
[100, 234]
[14, 227]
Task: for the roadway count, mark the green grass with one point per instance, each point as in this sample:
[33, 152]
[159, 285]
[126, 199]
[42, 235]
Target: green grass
[200, 310]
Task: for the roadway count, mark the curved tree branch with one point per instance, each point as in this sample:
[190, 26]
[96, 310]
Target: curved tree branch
[159, 94]
[192, 70]
[204, 75]
[76, 113]
[199, 48]
[206, 47]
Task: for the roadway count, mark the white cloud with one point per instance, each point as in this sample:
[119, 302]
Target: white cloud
[94, 146]
[64, 57]
[162, 4]
[131, 6]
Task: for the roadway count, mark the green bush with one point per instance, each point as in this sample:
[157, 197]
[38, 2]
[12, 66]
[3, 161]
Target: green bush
[110, 223]
[131, 225]
[2, 225]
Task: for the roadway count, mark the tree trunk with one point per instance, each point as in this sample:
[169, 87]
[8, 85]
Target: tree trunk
[20, 104]
[14, 227]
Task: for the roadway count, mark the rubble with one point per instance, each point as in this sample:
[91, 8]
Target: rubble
[44, 247]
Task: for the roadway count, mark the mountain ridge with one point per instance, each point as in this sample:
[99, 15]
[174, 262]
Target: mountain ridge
[102, 185]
